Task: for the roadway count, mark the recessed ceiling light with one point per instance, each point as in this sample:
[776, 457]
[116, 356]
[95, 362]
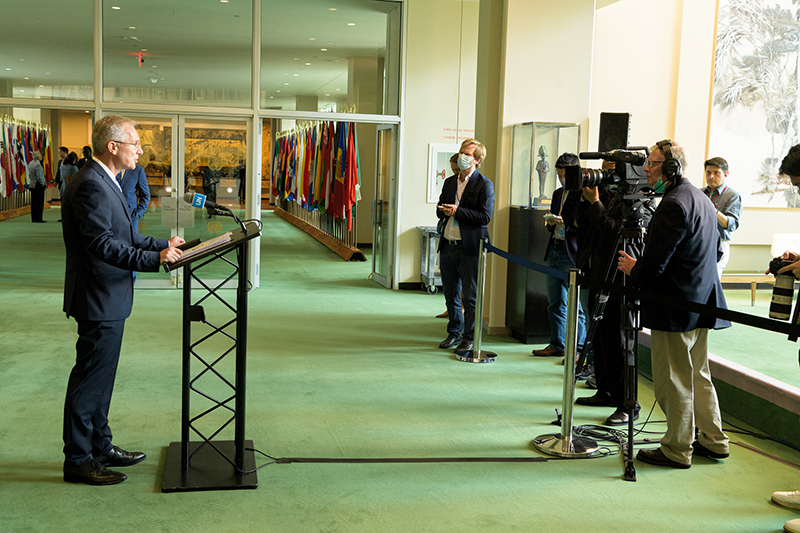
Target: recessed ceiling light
[144, 49]
[297, 59]
[295, 75]
[26, 78]
[8, 68]
[21, 59]
[327, 94]
[338, 89]
[331, 9]
[323, 49]
[272, 97]
[278, 91]
[47, 73]
[223, 1]
[41, 85]
[351, 23]
[115, 7]
[312, 38]
[287, 83]
[308, 64]
[131, 27]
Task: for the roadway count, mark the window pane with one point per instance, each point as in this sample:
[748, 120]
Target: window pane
[46, 52]
[339, 55]
[173, 51]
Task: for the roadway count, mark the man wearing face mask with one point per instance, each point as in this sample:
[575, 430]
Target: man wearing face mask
[681, 250]
[465, 208]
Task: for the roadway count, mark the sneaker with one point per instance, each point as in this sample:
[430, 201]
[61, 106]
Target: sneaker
[586, 373]
[792, 526]
[591, 383]
[787, 499]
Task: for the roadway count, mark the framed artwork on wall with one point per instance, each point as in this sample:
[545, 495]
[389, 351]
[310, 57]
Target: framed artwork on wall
[439, 168]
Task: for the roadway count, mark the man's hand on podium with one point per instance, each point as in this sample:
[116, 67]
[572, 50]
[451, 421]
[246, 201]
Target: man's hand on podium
[172, 254]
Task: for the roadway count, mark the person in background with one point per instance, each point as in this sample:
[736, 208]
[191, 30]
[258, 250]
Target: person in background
[87, 156]
[137, 193]
[66, 170]
[37, 185]
[727, 202]
[561, 254]
[63, 152]
[454, 168]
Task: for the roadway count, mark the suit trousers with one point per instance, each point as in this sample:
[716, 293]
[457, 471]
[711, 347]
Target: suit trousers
[460, 281]
[609, 346]
[37, 203]
[684, 391]
[91, 382]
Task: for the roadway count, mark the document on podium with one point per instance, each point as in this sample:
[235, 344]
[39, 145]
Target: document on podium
[206, 245]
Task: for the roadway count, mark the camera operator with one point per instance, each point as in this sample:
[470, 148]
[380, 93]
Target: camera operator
[562, 249]
[680, 260]
[790, 167]
[600, 218]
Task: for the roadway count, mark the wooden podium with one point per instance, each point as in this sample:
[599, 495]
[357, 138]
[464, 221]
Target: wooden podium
[208, 464]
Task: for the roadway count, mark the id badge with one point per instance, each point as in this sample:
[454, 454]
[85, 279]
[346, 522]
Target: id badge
[560, 231]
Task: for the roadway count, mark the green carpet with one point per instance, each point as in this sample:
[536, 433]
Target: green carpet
[338, 368]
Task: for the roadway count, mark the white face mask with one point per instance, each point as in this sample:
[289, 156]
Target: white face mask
[464, 161]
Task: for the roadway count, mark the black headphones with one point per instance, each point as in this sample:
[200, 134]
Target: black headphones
[671, 168]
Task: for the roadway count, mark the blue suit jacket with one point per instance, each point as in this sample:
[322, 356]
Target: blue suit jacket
[680, 260]
[136, 190]
[474, 210]
[102, 248]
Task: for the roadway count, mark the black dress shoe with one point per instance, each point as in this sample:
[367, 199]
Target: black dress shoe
[699, 449]
[119, 457]
[450, 341]
[92, 473]
[464, 347]
[620, 418]
[657, 457]
[600, 399]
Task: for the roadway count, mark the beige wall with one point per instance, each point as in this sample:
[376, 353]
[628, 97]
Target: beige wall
[75, 131]
[441, 55]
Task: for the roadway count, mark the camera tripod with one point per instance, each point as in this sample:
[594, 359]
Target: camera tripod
[630, 234]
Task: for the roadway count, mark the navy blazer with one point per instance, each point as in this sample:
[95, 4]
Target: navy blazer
[474, 210]
[680, 260]
[134, 181]
[102, 248]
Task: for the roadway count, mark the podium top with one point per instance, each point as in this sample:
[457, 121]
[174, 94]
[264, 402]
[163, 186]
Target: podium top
[197, 249]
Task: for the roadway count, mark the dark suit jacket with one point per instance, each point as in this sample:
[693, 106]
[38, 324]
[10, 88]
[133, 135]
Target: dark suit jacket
[474, 209]
[102, 248]
[680, 260]
[567, 213]
[136, 191]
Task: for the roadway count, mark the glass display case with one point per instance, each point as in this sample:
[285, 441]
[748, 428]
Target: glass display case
[534, 151]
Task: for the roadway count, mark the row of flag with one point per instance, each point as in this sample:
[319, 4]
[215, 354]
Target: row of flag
[17, 144]
[318, 168]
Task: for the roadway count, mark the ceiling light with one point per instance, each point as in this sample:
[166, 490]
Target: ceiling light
[287, 83]
[272, 97]
[323, 49]
[295, 75]
[45, 72]
[351, 23]
[223, 1]
[131, 27]
[338, 89]
[312, 38]
[308, 64]
[41, 85]
[327, 94]
[115, 7]
[278, 91]
[21, 59]
[144, 49]
[331, 9]
[297, 59]
[26, 78]
[8, 68]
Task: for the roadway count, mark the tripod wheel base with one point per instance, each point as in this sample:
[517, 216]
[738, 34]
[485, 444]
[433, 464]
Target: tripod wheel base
[476, 357]
[571, 447]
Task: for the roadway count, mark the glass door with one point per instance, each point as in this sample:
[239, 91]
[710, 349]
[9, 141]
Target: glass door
[383, 207]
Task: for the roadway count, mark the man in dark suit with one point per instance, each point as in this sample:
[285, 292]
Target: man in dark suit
[465, 208]
[101, 251]
[680, 260]
[137, 193]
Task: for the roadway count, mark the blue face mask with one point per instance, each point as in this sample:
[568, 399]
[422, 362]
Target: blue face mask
[659, 186]
[464, 162]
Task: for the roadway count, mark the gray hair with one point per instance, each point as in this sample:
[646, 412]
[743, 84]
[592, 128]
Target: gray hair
[110, 128]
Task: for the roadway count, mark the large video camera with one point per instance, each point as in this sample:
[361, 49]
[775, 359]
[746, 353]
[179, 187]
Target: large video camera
[628, 174]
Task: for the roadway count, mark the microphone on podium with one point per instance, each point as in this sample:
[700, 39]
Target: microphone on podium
[199, 201]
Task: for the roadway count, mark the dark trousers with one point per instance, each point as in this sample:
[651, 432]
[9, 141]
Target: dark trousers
[609, 351]
[91, 382]
[37, 203]
[460, 280]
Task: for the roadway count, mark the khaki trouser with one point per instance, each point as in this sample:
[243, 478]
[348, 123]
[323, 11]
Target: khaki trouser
[684, 391]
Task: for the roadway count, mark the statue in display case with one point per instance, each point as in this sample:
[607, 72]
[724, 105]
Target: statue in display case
[542, 168]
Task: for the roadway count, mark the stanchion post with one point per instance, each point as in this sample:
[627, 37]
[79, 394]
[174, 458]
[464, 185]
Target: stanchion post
[565, 444]
[476, 355]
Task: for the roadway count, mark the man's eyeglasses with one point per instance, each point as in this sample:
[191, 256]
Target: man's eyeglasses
[137, 144]
[652, 163]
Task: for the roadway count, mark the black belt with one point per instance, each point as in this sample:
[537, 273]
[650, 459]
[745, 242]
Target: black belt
[453, 243]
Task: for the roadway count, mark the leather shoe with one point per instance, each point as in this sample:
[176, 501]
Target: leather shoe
[548, 352]
[620, 418]
[598, 400]
[92, 473]
[702, 451]
[119, 457]
[657, 457]
[464, 347]
[450, 341]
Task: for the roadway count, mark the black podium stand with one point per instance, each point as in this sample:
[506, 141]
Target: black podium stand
[210, 464]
